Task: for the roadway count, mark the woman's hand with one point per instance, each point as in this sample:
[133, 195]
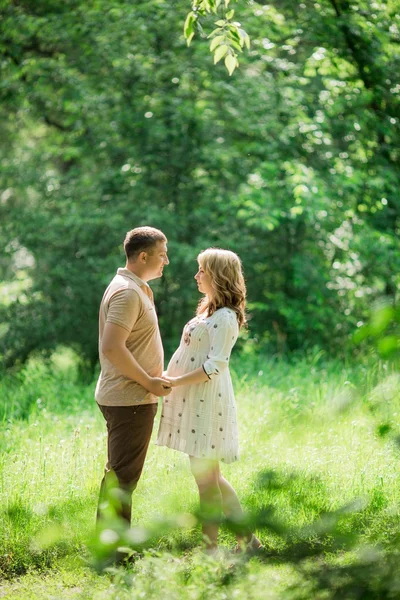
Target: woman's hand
[172, 381]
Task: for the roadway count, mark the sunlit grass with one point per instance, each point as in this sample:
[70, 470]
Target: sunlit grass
[313, 425]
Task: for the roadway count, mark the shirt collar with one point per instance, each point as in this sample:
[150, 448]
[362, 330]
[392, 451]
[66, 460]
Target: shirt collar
[127, 273]
[143, 284]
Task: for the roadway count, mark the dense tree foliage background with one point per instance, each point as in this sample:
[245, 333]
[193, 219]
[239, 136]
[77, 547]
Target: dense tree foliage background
[108, 121]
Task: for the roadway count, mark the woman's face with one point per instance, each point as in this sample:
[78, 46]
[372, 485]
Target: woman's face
[204, 282]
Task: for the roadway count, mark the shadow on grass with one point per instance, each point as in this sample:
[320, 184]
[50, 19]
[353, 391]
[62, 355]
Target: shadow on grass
[326, 549]
[329, 552]
[35, 539]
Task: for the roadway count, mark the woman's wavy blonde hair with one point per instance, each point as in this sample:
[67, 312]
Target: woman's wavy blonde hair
[225, 270]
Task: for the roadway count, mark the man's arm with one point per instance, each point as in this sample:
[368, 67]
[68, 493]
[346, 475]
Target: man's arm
[113, 346]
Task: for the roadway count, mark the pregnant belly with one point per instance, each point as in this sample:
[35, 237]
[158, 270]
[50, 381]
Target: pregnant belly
[183, 362]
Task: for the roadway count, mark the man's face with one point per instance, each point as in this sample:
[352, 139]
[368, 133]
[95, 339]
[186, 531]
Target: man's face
[156, 260]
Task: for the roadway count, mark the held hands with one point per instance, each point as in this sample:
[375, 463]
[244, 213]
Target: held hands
[172, 381]
[160, 386]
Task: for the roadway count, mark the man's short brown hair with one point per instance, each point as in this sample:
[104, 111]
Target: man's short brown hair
[142, 239]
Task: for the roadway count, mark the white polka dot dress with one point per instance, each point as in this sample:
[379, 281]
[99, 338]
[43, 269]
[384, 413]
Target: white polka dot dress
[200, 419]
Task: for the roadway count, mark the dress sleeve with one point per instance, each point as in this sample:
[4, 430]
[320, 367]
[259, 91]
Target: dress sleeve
[124, 309]
[223, 332]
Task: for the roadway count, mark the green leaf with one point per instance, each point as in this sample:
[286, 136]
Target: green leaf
[220, 23]
[388, 345]
[220, 53]
[235, 44]
[381, 319]
[234, 32]
[188, 26]
[213, 6]
[384, 429]
[229, 14]
[244, 38]
[216, 42]
[218, 30]
[231, 63]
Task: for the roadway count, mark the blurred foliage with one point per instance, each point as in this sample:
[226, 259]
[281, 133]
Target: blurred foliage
[372, 572]
[383, 330]
[108, 121]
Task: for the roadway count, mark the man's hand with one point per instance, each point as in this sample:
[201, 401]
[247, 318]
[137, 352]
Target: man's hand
[114, 348]
[172, 381]
[159, 386]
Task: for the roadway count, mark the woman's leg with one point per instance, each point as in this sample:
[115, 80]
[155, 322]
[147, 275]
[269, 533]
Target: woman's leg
[233, 510]
[230, 502]
[231, 506]
[206, 474]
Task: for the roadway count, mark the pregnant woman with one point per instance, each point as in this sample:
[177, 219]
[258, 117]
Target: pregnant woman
[199, 416]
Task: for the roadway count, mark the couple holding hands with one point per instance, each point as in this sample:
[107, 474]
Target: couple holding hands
[198, 412]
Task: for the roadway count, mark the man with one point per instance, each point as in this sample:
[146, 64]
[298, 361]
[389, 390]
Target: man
[131, 358]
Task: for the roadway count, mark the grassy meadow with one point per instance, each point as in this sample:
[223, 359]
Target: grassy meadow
[318, 474]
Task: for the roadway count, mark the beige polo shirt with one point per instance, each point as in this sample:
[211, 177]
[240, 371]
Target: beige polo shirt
[128, 302]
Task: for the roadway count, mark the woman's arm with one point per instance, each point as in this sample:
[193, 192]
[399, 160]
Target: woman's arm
[196, 376]
[223, 332]
[223, 335]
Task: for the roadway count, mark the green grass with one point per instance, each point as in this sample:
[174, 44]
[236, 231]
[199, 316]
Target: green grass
[315, 435]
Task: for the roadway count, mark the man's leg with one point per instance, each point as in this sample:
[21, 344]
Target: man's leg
[129, 430]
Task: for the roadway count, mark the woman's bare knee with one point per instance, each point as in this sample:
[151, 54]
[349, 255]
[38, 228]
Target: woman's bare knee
[205, 472]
